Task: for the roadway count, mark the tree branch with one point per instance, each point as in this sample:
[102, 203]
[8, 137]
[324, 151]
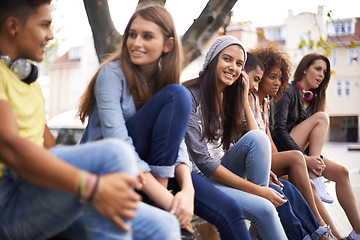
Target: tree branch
[210, 20]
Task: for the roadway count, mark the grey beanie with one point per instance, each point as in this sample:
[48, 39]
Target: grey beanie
[217, 46]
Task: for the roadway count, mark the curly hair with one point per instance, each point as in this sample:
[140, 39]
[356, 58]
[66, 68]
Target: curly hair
[271, 56]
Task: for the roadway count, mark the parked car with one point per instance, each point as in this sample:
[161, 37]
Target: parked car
[66, 128]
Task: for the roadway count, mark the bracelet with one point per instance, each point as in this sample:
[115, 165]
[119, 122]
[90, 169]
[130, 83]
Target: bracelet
[85, 179]
[82, 188]
[93, 188]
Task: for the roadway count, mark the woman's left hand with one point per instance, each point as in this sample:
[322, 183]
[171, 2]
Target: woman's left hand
[183, 208]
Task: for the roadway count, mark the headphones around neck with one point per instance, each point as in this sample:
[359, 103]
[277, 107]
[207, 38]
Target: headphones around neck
[307, 95]
[23, 69]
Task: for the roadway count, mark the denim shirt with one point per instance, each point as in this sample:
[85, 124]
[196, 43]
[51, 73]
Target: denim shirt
[113, 107]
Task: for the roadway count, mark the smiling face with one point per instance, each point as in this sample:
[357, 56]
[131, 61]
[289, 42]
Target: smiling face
[314, 75]
[255, 78]
[271, 82]
[229, 67]
[33, 35]
[145, 44]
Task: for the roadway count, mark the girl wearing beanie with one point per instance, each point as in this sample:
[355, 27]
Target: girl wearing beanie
[237, 165]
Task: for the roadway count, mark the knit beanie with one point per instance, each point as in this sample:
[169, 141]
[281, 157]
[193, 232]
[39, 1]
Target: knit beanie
[217, 46]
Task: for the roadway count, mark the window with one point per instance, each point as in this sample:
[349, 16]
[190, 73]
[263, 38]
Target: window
[343, 126]
[340, 28]
[334, 56]
[273, 33]
[349, 27]
[347, 88]
[338, 89]
[75, 53]
[354, 55]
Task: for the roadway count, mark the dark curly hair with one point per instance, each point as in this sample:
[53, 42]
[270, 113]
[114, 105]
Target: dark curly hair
[271, 56]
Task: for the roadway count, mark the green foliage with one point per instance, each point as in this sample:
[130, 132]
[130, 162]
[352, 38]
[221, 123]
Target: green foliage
[353, 44]
[261, 34]
[322, 44]
[302, 44]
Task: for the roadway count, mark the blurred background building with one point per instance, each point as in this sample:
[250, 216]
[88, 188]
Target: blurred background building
[68, 75]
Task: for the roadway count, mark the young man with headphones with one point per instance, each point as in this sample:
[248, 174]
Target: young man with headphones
[77, 191]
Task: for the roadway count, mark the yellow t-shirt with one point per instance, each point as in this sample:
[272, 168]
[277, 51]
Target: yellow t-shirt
[27, 104]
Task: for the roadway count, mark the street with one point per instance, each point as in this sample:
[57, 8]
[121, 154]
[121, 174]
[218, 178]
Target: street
[351, 159]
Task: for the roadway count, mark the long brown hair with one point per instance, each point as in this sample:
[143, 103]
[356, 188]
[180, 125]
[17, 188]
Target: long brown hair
[271, 57]
[167, 71]
[229, 107]
[320, 100]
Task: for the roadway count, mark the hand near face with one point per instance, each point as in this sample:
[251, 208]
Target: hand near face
[245, 83]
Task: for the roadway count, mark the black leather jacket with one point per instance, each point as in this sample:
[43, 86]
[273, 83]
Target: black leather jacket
[286, 113]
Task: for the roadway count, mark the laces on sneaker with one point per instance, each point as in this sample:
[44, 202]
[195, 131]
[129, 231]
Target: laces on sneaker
[328, 234]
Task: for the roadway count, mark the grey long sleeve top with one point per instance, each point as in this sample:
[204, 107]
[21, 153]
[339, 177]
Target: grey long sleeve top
[205, 156]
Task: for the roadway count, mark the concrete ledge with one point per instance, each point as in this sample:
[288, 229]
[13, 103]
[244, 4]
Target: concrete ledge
[203, 230]
[353, 147]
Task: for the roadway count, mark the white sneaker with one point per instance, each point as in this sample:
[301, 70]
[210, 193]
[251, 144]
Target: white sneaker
[328, 234]
[353, 235]
[321, 189]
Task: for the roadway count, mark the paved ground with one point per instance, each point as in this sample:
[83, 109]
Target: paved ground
[351, 159]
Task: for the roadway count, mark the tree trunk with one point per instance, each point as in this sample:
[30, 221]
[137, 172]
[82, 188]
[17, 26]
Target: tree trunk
[106, 37]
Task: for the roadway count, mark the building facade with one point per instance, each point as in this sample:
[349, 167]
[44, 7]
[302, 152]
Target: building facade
[340, 41]
[69, 76]
[300, 34]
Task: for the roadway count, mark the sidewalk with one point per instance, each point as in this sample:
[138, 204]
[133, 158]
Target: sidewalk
[339, 152]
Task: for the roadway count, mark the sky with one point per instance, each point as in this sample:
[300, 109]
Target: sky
[69, 16]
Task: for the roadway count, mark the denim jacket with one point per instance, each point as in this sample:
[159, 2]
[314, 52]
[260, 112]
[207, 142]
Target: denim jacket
[113, 107]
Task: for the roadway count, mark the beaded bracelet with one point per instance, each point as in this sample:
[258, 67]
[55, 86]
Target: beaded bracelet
[85, 179]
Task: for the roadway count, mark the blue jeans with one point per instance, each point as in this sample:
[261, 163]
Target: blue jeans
[296, 215]
[219, 209]
[32, 212]
[250, 158]
[158, 127]
[289, 221]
